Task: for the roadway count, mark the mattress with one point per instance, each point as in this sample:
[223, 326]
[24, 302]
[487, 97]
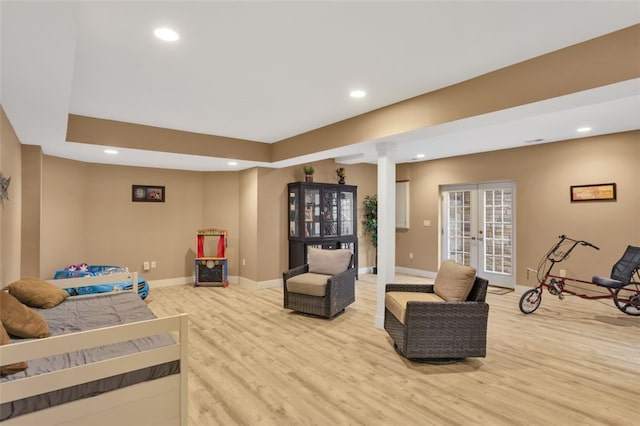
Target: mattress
[80, 313]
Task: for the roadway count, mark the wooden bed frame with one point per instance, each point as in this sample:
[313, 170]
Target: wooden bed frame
[158, 402]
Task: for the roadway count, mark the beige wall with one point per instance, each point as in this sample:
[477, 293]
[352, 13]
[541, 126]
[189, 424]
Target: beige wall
[220, 210]
[10, 214]
[248, 214]
[543, 175]
[88, 216]
[31, 214]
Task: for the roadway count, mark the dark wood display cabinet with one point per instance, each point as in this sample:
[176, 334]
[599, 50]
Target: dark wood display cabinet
[321, 215]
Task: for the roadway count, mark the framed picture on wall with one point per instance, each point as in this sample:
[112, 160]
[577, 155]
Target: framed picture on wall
[595, 192]
[147, 193]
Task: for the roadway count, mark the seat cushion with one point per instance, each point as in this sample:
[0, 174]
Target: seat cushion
[396, 301]
[310, 284]
[328, 262]
[454, 281]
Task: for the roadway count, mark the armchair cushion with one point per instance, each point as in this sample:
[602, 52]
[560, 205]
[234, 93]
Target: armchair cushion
[309, 283]
[328, 262]
[396, 301]
[454, 281]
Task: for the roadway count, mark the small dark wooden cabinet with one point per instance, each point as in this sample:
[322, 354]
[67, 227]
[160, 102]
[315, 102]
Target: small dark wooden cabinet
[321, 215]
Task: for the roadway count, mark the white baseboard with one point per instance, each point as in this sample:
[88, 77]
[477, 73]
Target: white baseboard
[182, 281]
[170, 281]
[415, 272]
[257, 285]
[401, 270]
[233, 280]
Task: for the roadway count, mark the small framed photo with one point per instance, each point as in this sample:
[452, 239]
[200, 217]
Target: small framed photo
[147, 193]
[595, 192]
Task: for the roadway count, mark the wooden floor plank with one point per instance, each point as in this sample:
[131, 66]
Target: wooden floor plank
[254, 363]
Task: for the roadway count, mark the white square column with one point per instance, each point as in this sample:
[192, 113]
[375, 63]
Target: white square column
[386, 223]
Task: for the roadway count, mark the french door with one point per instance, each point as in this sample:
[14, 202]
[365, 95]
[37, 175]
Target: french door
[478, 229]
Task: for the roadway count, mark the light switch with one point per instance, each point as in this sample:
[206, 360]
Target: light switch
[427, 223]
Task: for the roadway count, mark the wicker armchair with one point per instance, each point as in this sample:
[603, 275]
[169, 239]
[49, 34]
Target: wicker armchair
[310, 290]
[439, 331]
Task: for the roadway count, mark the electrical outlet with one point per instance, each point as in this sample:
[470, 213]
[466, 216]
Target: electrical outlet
[563, 273]
[244, 262]
[410, 255]
[146, 266]
[153, 264]
[426, 223]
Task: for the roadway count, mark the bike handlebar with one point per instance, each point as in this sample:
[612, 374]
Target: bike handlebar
[584, 243]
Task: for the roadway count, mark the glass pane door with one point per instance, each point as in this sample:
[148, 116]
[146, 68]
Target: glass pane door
[311, 212]
[346, 213]
[329, 213]
[458, 229]
[479, 229]
[293, 213]
[498, 230]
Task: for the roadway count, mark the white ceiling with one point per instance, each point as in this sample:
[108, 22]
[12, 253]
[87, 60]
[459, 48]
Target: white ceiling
[266, 71]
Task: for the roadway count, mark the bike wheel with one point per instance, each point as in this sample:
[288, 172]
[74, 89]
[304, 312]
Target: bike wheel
[530, 300]
[627, 299]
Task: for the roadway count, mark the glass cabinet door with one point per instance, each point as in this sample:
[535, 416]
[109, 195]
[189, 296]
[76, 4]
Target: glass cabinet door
[329, 213]
[311, 212]
[293, 213]
[346, 213]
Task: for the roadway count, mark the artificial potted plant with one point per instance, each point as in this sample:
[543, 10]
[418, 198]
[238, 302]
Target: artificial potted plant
[370, 223]
[308, 173]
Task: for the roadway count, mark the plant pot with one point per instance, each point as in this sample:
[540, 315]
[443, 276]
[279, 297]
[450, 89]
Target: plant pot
[308, 178]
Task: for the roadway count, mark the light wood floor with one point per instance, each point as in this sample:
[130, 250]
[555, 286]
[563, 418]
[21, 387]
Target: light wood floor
[254, 363]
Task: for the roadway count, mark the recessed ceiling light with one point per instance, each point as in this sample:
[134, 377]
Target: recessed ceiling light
[232, 163]
[420, 155]
[358, 93]
[583, 129]
[166, 34]
[110, 151]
